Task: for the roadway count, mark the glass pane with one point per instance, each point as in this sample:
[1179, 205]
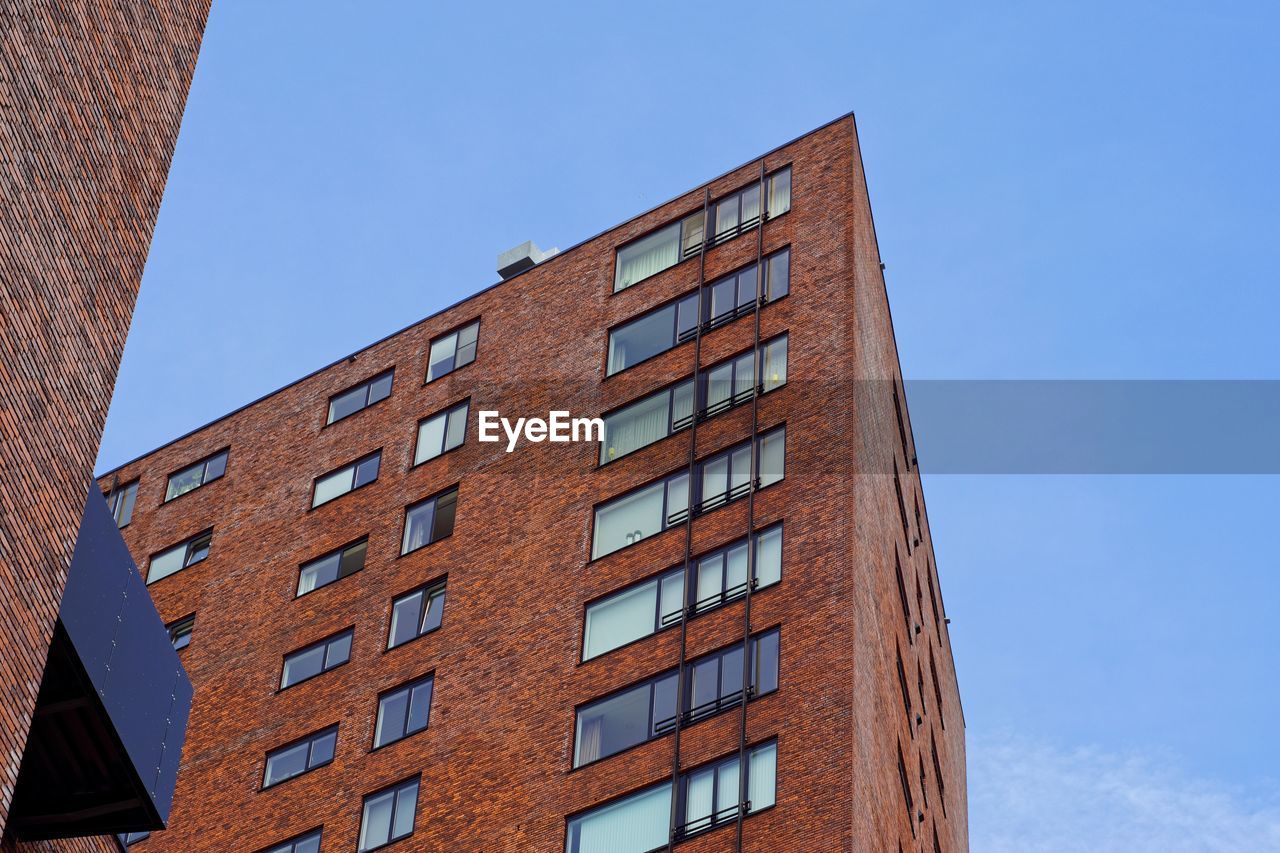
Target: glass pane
[731, 673]
[419, 708]
[762, 776]
[722, 299]
[769, 556]
[367, 471]
[404, 619]
[672, 596]
[440, 360]
[122, 507]
[744, 372]
[628, 520]
[692, 230]
[779, 282]
[727, 788]
[704, 684]
[301, 666]
[699, 790]
[406, 807]
[750, 203]
[457, 428]
[286, 763]
[322, 749]
[637, 425]
[430, 438]
[642, 338]
[664, 703]
[442, 525]
[317, 574]
[417, 526]
[682, 404]
[468, 335]
[392, 712]
[687, 314]
[434, 613]
[310, 844]
[719, 383]
[677, 495]
[339, 651]
[613, 725]
[198, 549]
[774, 372]
[347, 403]
[380, 388]
[636, 824]
[740, 476]
[184, 481]
[780, 192]
[215, 467]
[772, 463]
[715, 477]
[332, 486]
[726, 216]
[710, 575]
[375, 824]
[746, 287]
[353, 559]
[647, 256]
[466, 354]
[620, 619]
[765, 677]
[736, 568]
[166, 563]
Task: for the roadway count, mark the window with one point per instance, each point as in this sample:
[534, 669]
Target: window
[933, 596]
[195, 476]
[416, 613]
[708, 797]
[120, 502]
[429, 521]
[736, 294]
[403, 711]
[906, 791]
[902, 508]
[128, 839]
[902, 427]
[333, 566]
[179, 557]
[348, 478]
[902, 683]
[711, 796]
[314, 750]
[937, 691]
[388, 815]
[652, 333]
[180, 632]
[648, 607]
[659, 415]
[937, 773]
[308, 843]
[648, 710]
[676, 322]
[441, 433]
[718, 479]
[317, 658]
[731, 215]
[454, 350]
[902, 595]
[360, 397]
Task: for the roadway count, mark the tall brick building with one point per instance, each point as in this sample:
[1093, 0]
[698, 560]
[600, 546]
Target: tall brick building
[91, 95]
[402, 635]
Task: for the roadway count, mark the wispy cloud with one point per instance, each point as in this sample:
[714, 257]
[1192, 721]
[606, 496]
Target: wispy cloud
[1029, 797]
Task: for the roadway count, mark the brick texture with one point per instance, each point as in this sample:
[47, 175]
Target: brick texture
[91, 95]
[496, 760]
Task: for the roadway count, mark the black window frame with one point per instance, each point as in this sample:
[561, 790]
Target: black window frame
[439, 586]
[348, 632]
[455, 367]
[394, 789]
[367, 385]
[205, 479]
[189, 558]
[465, 405]
[354, 465]
[176, 632]
[405, 687]
[455, 491]
[289, 844]
[121, 496]
[310, 740]
[685, 828]
[340, 552]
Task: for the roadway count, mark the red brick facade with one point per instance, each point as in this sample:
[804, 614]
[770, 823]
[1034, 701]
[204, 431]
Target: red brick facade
[91, 95]
[495, 762]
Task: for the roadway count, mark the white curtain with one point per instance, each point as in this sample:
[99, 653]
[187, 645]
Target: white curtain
[736, 567]
[762, 776]
[768, 566]
[698, 797]
[775, 364]
[430, 438]
[637, 425]
[628, 520]
[772, 463]
[780, 192]
[648, 256]
[620, 619]
[634, 825]
[417, 526]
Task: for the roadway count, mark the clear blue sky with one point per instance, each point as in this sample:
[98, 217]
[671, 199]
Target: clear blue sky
[1070, 190]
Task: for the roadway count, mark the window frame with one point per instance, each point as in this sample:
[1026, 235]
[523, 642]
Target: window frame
[456, 490]
[456, 330]
[349, 631]
[187, 561]
[367, 386]
[683, 831]
[340, 552]
[310, 740]
[428, 590]
[120, 495]
[445, 413]
[394, 789]
[354, 465]
[409, 686]
[205, 479]
[188, 622]
[288, 845]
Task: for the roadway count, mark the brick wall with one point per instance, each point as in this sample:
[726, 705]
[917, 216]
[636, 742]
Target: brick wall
[496, 760]
[91, 95]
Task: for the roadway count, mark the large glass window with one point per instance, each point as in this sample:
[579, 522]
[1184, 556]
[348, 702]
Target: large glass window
[637, 823]
[195, 476]
[454, 350]
[346, 479]
[640, 514]
[120, 502]
[429, 521]
[333, 566]
[645, 421]
[315, 750]
[416, 613]
[360, 397]
[403, 711]
[316, 658]
[710, 795]
[388, 815]
[308, 843]
[179, 557]
[180, 632]
[736, 293]
[652, 333]
[648, 607]
[648, 710]
[441, 432]
[727, 475]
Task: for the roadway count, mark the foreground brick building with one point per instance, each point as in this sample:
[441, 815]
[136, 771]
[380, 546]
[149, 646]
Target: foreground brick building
[91, 94]
[402, 635]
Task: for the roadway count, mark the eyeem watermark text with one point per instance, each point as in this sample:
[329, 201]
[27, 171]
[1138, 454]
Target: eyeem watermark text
[558, 427]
